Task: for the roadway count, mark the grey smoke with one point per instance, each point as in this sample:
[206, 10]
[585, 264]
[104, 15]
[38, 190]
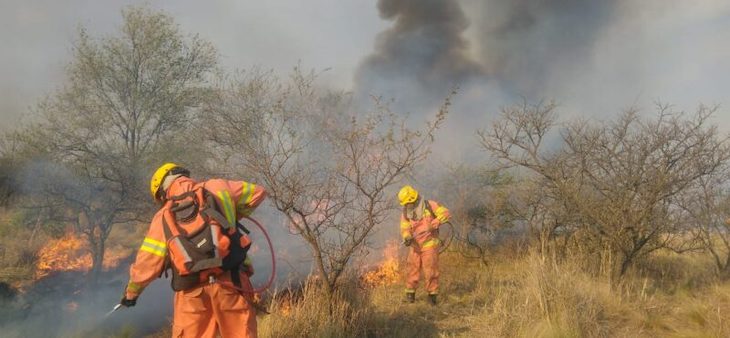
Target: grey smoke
[424, 54]
[426, 51]
[594, 57]
[521, 42]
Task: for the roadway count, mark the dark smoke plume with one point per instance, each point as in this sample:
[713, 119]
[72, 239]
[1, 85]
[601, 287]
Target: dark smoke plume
[423, 55]
[521, 48]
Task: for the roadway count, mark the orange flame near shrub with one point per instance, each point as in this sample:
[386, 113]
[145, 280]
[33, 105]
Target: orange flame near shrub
[73, 253]
[387, 272]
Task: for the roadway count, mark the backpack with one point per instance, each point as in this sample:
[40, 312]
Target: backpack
[209, 247]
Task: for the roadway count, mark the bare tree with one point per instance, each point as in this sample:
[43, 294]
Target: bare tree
[618, 184]
[706, 206]
[330, 172]
[126, 102]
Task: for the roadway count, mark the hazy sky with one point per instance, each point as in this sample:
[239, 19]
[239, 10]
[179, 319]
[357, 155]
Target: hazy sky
[37, 37]
[593, 57]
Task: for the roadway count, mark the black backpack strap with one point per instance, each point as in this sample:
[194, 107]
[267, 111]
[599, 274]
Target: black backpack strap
[236, 277]
[243, 228]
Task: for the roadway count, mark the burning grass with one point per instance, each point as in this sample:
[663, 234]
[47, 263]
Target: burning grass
[72, 253]
[388, 272]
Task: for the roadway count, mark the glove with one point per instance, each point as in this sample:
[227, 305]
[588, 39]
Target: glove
[128, 302]
[408, 241]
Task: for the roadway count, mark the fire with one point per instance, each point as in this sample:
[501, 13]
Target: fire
[285, 308]
[72, 253]
[388, 272]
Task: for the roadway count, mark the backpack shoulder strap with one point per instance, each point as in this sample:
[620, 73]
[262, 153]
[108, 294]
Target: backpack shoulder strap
[428, 207]
[212, 210]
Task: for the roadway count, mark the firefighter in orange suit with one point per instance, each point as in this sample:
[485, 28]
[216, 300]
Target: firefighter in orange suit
[419, 224]
[210, 308]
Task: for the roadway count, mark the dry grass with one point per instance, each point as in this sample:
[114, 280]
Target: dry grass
[530, 297]
[314, 313]
[669, 296]
[19, 245]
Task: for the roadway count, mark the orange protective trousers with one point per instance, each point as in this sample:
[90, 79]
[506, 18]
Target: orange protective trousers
[211, 309]
[428, 260]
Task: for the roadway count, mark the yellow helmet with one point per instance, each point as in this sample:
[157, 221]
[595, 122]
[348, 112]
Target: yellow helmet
[407, 195]
[159, 176]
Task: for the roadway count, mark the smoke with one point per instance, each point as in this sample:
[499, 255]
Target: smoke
[514, 48]
[64, 304]
[524, 43]
[594, 58]
[422, 56]
[293, 258]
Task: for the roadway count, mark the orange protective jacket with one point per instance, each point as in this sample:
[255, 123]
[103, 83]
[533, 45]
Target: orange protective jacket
[237, 199]
[420, 230]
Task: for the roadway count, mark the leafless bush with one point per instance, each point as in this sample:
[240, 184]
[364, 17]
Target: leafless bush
[328, 169]
[612, 189]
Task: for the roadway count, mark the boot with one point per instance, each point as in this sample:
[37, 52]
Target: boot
[410, 297]
[432, 299]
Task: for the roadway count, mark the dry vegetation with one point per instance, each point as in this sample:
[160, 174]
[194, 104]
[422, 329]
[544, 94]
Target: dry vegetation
[670, 295]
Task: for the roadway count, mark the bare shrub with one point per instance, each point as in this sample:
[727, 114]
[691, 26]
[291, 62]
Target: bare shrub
[327, 168]
[614, 189]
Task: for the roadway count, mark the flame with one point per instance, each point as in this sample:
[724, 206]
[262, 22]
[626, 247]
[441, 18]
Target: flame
[387, 272]
[72, 253]
[285, 308]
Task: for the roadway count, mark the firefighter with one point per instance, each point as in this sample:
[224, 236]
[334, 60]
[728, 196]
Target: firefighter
[214, 304]
[419, 224]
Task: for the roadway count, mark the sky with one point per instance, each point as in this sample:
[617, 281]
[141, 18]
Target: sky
[593, 58]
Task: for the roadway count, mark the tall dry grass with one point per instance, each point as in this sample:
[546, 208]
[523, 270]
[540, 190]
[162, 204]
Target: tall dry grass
[314, 313]
[527, 295]
[667, 295]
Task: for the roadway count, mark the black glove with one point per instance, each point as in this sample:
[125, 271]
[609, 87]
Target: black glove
[408, 241]
[128, 302]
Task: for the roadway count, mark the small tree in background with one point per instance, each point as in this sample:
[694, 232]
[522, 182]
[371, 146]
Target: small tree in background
[125, 104]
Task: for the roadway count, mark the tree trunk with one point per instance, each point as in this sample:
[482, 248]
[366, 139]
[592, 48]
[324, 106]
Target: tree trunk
[97, 259]
[625, 264]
